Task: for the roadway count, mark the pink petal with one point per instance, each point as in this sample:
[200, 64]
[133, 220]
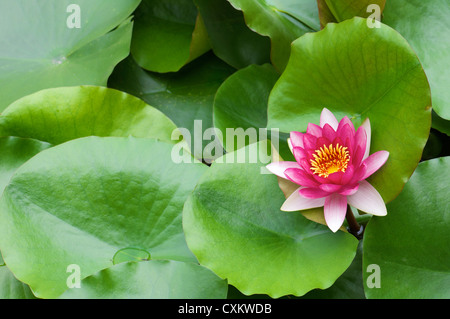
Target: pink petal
[366, 126]
[345, 133]
[321, 141]
[349, 189]
[305, 164]
[357, 156]
[299, 177]
[278, 168]
[328, 132]
[299, 153]
[309, 154]
[313, 193]
[334, 210]
[314, 130]
[337, 140]
[297, 202]
[374, 162]
[345, 121]
[359, 146]
[309, 141]
[368, 200]
[343, 190]
[335, 178]
[359, 173]
[348, 175]
[330, 188]
[338, 178]
[321, 180]
[296, 139]
[326, 117]
[349, 142]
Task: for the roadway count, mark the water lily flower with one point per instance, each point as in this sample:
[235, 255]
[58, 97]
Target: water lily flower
[331, 168]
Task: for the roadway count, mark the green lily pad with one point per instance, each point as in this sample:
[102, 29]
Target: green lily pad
[240, 105]
[348, 286]
[279, 21]
[155, 279]
[40, 47]
[426, 26]
[62, 114]
[410, 244]
[82, 201]
[130, 254]
[340, 10]
[229, 36]
[167, 35]
[11, 288]
[305, 11]
[15, 151]
[234, 226]
[440, 124]
[325, 14]
[240, 110]
[361, 73]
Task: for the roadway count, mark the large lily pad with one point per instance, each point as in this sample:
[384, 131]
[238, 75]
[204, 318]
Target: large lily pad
[82, 201]
[340, 10]
[440, 124]
[348, 286]
[154, 279]
[361, 73]
[40, 49]
[168, 34]
[240, 105]
[11, 288]
[234, 226]
[410, 244]
[426, 26]
[15, 151]
[229, 36]
[281, 21]
[62, 114]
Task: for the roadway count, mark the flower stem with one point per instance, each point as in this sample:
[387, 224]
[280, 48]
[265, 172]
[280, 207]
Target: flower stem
[354, 228]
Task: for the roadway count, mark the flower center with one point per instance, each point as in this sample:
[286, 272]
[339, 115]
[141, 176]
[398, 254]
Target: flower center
[329, 160]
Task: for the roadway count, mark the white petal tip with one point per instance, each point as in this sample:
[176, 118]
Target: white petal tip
[334, 211]
[296, 202]
[379, 213]
[334, 229]
[368, 200]
[366, 122]
[275, 168]
[290, 144]
[288, 209]
[327, 117]
[366, 126]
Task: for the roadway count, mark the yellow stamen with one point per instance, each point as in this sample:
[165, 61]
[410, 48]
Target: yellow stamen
[329, 160]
